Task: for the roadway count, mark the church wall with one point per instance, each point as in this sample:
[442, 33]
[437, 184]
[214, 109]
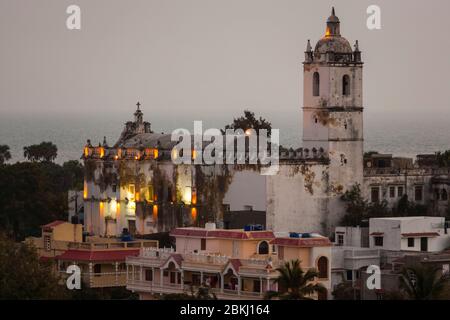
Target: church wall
[297, 199]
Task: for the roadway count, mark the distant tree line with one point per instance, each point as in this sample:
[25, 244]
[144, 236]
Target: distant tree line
[360, 210]
[34, 192]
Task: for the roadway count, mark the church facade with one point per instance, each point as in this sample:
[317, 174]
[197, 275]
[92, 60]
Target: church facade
[135, 185]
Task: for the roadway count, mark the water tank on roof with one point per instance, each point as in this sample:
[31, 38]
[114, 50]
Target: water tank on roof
[210, 226]
[306, 235]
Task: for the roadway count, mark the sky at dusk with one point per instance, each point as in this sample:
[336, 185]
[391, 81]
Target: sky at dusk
[210, 59]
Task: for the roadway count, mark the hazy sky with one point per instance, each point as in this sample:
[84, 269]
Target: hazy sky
[195, 59]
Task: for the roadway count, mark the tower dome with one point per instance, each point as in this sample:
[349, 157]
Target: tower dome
[332, 41]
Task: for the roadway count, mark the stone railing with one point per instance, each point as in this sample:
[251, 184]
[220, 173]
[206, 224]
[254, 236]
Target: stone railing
[205, 258]
[361, 253]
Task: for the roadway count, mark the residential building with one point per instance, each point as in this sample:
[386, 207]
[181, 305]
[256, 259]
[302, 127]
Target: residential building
[101, 260]
[425, 234]
[236, 264]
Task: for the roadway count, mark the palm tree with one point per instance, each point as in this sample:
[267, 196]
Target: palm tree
[424, 282]
[5, 155]
[296, 284]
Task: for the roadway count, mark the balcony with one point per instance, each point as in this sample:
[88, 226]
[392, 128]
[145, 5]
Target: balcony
[101, 280]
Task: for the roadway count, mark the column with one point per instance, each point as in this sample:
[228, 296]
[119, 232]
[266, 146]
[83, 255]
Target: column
[268, 284]
[116, 265]
[222, 280]
[260, 286]
[239, 285]
[127, 272]
[161, 277]
[90, 274]
[182, 279]
[201, 278]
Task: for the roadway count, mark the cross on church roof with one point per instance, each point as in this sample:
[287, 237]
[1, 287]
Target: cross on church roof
[138, 105]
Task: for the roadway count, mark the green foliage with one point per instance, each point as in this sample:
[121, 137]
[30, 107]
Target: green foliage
[45, 151]
[407, 208]
[443, 158]
[356, 207]
[359, 210]
[249, 121]
[33, 194]
[294, 283]
[23, 276]
[346, 291]
[425, 282]
[5, 155]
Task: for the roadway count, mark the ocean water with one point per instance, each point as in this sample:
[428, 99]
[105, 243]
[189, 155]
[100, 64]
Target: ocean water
[398, 136]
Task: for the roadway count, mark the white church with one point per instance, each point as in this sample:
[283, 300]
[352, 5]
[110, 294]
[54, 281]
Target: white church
[134, 184]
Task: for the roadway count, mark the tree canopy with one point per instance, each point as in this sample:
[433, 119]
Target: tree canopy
[295, 283]
[249, 121]
[425, 282]
[23, 276]
[45, 151]
[5, 155]
[33, 194]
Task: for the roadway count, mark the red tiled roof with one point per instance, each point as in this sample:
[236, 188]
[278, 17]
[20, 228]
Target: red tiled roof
[53, 224]
[377, 233]
[175, 256]
[97, 255]
[236, 263]
[302, 242]
[233, 234]
[420, 234]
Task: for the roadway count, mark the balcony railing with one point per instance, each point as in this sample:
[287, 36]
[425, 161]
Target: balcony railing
[101, 280]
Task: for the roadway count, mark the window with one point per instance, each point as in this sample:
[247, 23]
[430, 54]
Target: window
[375, 194]
[411, 242]
[47, 243]
[392, 192]
[114, 188]
[399, 192]
[378, 241]
[274, 249]
[97, 269]
[263, 247]
[418, 193]
[203, 244]
[340, 239]
[169, 194]
[349, 275]
[316, 84]
[346, 85]
[444, 196]
[322, 266]
[148, 275]
[436, 194]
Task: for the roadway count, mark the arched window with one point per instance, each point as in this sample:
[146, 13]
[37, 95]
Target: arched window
[263, 247]
[444, 196]
[316, 84]
[346, 85]
[322, 266]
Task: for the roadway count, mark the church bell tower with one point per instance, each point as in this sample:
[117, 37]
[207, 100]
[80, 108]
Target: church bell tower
[333, 105]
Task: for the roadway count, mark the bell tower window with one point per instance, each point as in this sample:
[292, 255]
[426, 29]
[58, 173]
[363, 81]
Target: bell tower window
[346, 85]
[316, 84]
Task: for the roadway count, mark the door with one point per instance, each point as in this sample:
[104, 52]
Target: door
[424, 244]
[132, 227]
[256, 286]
